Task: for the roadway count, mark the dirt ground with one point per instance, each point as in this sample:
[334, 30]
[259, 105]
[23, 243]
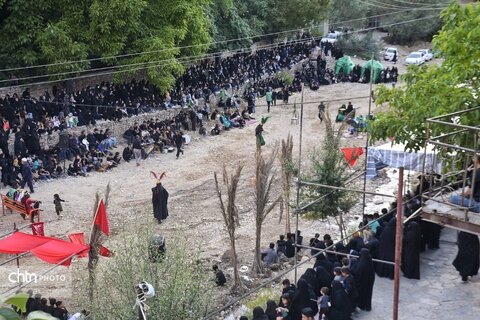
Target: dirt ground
[193, 205]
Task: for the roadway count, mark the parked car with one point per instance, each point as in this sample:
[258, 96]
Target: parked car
[389, 53]
[415, 58]
[428, 55]
[332, 37]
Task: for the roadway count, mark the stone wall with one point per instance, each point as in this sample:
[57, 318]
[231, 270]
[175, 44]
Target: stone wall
[116, 127]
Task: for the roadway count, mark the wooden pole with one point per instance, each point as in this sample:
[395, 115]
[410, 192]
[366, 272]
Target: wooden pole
[398, 244]
[366, 142]
[18, 260]
[298, 185]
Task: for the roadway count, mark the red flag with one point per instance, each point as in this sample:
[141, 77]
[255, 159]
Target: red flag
[101, 219]
[104, 251]
[38, 229]
[78, 238]
[352, 155]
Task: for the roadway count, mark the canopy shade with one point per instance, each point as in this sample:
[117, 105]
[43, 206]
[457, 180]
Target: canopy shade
[374, 65]
[344, 65]
[394, 155]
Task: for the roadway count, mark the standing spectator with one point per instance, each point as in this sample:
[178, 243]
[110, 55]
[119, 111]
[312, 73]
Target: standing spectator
[137, 149]
[27, 177]
[269, 98]
[321, 111]
[179, 142]
[323, 303]
[58, 204]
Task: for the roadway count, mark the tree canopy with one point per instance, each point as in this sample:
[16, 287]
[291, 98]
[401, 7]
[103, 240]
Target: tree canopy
[436, 89]
[55, 32]
[386, 14]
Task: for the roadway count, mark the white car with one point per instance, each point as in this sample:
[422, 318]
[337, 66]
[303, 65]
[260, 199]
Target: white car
[332, 37]
[389, 53]
[427, 54]
[415, 58]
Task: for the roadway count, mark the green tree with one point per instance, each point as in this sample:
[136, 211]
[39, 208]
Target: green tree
[436, 89]
[293, 14]
[54, 32]
[345, 10]
[329, 168]
[183, 283]
[360, 45]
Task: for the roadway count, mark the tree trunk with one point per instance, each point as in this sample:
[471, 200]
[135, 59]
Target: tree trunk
[287, 214]
[237, 285]
[258, 266]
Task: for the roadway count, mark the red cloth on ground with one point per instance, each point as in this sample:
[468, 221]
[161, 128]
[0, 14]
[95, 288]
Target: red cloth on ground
[51, 250]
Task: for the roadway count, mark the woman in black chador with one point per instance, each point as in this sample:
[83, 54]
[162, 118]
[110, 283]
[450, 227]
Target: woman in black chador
[412, 239]
[467, 261]
[159, 199]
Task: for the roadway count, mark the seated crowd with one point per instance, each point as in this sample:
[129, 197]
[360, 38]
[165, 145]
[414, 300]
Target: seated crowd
[250, 73]
[52, 306]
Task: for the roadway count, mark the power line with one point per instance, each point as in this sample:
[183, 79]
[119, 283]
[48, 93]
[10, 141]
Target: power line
[192, 58]
[200, 45]
[73, 105]
[424, 3]
[383, 5]
[159, 65]
[154, 65]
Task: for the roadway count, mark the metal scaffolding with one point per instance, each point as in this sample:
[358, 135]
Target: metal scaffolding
[457, 145]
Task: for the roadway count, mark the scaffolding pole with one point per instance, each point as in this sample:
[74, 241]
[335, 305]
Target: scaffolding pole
[398, 244]
[297, 212]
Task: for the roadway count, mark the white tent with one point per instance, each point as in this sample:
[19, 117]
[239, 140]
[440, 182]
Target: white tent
[394, 155]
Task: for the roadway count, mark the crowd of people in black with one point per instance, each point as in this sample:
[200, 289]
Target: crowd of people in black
[52, 306]
[342, 277]
[243, 75]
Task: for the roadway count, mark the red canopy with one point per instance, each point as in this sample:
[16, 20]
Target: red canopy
[51, 250]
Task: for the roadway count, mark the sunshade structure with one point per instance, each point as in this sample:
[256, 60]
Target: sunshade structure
[344, 65]
[374, 65]
[395, 156]
[48, 249]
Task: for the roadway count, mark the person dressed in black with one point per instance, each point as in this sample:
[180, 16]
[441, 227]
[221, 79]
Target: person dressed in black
[341, 307]
[271, 310]
[289, 247]
[350, 286]
[160, 200]
[321, 111]
[386, 250]
[304, 297]
[178, 142]
[411, 251]
[220, 279]
[467, 260]
[259, 314]
[27, 176]
[364, 274]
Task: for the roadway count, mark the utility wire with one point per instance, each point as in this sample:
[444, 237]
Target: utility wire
[202, 45]
[140, 68]
[73, 105]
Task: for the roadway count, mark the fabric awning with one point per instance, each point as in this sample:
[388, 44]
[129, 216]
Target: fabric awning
[395, 156]
[48, 249]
